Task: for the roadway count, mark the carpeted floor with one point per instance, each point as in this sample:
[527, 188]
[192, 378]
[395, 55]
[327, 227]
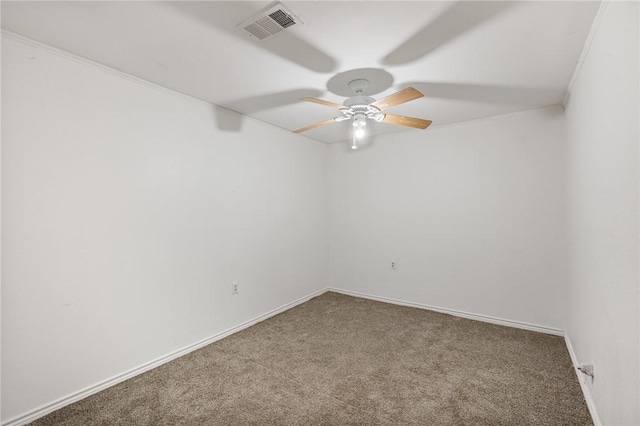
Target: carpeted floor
[340, 360]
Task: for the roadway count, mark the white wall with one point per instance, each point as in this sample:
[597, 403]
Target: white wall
[473, 214]
[127, 215]
[128, 210]
[602, 207]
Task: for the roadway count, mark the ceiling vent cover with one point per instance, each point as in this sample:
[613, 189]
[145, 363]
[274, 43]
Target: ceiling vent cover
[270, 22]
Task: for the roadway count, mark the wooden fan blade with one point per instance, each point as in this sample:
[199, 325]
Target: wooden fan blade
[401, 120]
[406, 95]
[325, 103]
[313, 126]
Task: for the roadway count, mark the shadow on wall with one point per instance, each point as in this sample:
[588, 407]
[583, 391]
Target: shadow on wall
[227, 120]
[460, 18]
[271, 100]
[229, 117]
[227, 15]
[528, 97]
[254, 104]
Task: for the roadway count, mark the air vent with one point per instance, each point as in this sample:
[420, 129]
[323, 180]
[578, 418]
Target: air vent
[282, 18]
[270, 22]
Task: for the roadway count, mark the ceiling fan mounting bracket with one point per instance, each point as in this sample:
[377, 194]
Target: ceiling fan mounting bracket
[359, 85]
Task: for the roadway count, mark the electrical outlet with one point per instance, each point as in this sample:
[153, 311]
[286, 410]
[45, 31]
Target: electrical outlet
[394, 265]
[588, 374]
[586, 369]
[234, 288]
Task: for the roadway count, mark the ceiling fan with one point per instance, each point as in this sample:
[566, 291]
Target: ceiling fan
[360, 108]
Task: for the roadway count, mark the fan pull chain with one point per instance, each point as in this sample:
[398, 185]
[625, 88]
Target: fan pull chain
[353, 145]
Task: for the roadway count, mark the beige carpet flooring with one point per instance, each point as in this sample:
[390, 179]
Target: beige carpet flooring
[340, 360]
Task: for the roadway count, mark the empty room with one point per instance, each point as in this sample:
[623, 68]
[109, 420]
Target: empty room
[320, 213]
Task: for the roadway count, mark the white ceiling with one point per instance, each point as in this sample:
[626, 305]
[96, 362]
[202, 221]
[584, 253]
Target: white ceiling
[470, 59]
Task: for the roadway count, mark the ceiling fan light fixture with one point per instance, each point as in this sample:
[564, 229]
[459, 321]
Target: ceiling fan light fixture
[359, 132]
[359, 120]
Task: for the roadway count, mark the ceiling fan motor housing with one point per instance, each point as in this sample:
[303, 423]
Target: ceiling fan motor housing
[356, 101]
[359, 108]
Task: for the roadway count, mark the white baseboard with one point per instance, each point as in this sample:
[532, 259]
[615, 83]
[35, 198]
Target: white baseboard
[76, 396]
[43, 410]
[468, 315]
[500, 321]
[583, 385]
